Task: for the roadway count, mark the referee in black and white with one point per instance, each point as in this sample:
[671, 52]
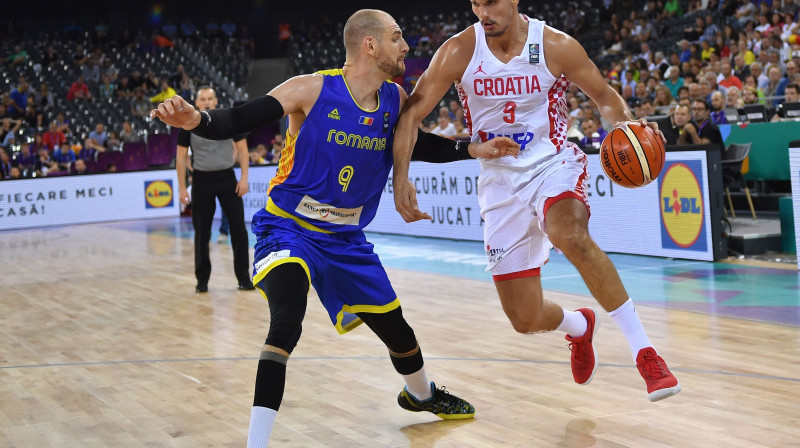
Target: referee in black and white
[213, 178]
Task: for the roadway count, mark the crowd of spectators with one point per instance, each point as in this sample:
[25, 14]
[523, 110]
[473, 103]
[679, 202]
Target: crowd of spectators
[38, 139]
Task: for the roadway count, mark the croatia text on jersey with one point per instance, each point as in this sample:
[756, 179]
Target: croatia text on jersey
[509, 85]
[523, 138]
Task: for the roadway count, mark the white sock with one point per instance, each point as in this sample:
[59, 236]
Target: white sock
[418, 385]
[261, 420]
[574, 324]
[628, 321]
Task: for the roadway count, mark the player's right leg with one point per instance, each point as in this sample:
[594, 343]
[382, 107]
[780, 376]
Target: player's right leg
[286, 289]
[516, 247]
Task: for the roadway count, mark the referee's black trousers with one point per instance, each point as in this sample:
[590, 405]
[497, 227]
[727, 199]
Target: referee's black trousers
[206, 187]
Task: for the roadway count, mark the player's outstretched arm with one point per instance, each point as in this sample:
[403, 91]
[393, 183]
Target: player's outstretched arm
[434, 148]
[296, 95]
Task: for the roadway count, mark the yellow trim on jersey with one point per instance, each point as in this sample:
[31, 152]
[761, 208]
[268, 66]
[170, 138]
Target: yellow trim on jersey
[285, 163]
[338, 72]
[260, 275]
[378, 309]
[277, 211]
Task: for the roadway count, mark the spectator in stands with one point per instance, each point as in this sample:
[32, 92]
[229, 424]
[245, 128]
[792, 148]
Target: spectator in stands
[674, 81]
[593, 134]
[749, 96]
[711, 29]
[91, 71]
[734, 98]
[574, 21]
[444, 126]
[140, 106]
[663, 97]
[124, 89]
[50, 57]
[673, 8]
[63, 124]
[64, 156]
[791, 71]
[727, 78]
[256, 158]
[717, 108]
[44, 98]
[26, 159]
[8, 132]
[79, 56]
[756, 70]
[740, 69]
[33, 118]
[792, 96]
[278, 143]
[19, 99]
[5, 165]
[166, 92]
[45, 163]
[79, 167]
[776, 85]
[79, 90]
[107, 89]
[136, 80]
[701, 130]
[461, 131]
[98, 139]
[187, 87]
[746, 12]
[128, 134]
[18, 57]
[177, 76]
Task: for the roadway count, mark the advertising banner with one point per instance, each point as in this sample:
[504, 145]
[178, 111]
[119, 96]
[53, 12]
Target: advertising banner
[83, 199]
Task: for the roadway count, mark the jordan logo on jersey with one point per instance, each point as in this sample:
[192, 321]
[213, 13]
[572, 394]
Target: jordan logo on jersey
[334, 114]
[480, 69]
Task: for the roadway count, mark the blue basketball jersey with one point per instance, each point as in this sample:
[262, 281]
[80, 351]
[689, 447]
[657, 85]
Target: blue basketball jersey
[332, 173]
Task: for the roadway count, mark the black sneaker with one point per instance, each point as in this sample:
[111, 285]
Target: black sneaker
[201, 287]
[246, 286]
[442, 404]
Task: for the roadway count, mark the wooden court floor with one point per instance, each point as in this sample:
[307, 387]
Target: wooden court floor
[103, 343]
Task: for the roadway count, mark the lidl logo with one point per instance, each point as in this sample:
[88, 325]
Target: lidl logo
[682, 208]
[334, 114]
[158, 193]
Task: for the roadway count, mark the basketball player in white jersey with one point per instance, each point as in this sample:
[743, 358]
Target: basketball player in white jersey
[512, 73]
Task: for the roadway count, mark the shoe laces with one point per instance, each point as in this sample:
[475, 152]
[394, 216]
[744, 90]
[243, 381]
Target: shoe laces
[442, 393]
[653, 367]
[578, 349]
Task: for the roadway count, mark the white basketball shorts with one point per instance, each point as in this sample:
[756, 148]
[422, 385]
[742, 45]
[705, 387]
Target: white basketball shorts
[513, 206]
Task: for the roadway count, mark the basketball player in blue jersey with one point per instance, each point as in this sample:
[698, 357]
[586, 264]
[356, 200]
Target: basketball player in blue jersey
[512, 73]
[327, 187]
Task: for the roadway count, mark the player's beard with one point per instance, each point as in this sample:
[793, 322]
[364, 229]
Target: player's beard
[497, 32]
[393, 68]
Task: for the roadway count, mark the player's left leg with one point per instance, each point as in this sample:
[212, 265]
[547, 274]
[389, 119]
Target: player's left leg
[233, 207]
[568, 229]
[419, 393]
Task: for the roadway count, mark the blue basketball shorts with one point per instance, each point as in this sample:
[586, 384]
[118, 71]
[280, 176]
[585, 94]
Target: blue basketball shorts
[342, 267]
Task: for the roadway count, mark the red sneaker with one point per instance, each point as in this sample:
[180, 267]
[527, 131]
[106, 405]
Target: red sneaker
[584, 359]
[661, 383]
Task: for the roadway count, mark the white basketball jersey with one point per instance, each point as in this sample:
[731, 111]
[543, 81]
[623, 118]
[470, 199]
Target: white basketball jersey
[520, 99]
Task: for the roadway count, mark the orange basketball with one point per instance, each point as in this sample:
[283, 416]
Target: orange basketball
[632, 155]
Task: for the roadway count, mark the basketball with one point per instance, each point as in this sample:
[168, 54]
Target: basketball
[632, 155]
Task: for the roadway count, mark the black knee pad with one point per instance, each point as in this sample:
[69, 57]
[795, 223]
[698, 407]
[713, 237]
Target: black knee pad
[286, 287]
[399, 338]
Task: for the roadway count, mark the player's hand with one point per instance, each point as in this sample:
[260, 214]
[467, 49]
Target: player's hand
[494, 148]
[177, 112]
[405, 201]
[654, 126]
[183, 195]
[242, 187]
